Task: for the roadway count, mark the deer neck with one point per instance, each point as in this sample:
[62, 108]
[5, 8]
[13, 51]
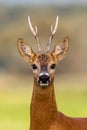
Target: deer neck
[43, 108]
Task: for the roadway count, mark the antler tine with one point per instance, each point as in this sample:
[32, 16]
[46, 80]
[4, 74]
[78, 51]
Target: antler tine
[53, 31]
[35, 33]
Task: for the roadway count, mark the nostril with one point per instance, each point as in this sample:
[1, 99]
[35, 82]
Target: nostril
[44, 78]
[47, 77]
[40, 77]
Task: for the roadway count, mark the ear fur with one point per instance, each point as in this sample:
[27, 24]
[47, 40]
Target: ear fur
[25, 50]
[61, 49]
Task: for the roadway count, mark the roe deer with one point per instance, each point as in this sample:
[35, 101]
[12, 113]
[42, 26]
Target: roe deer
[43, 110]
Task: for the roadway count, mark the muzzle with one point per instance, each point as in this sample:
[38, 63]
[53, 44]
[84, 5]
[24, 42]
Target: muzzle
[44, 79]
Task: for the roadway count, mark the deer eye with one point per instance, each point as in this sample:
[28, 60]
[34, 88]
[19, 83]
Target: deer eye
[53, 66]
[34, 66]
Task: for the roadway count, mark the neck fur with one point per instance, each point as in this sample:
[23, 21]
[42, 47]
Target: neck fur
[43, 108]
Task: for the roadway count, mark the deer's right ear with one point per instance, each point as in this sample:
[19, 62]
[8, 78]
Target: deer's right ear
[61, 49]
[25, 50]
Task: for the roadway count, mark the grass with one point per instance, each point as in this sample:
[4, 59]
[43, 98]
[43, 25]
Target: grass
[14, 110]
[15, 99]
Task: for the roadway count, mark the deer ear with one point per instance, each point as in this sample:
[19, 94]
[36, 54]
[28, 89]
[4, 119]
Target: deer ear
[61, 49]
[25, 50]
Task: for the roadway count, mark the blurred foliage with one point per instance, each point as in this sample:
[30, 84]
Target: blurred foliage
[72, 23]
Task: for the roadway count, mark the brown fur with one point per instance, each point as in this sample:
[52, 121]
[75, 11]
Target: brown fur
[43, 111]
[44, 114]
[43, 58]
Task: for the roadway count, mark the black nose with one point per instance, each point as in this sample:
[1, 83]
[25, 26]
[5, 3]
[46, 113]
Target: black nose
[44, 79]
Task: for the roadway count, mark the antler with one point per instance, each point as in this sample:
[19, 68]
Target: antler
[53, 31]
[35, 33]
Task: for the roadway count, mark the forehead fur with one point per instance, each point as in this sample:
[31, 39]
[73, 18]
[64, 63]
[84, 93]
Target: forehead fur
[43, 58]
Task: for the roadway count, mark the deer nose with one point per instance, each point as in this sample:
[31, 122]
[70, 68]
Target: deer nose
[44, 79]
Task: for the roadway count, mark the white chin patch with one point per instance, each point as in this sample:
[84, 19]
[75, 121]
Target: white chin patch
[44, 84]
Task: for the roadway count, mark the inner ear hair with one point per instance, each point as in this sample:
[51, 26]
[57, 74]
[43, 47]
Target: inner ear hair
[61, 49]
[25, 50]
[64, 45]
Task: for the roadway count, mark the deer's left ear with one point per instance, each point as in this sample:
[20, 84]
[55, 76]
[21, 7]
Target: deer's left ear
[61, 49]
[25, 50]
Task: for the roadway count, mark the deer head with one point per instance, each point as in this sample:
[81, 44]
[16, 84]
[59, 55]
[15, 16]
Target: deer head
[43, 64]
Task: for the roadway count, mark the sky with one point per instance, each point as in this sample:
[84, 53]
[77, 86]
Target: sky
[48, 2]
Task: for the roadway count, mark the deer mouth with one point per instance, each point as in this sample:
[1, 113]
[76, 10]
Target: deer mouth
[44, 84]
[44, 80]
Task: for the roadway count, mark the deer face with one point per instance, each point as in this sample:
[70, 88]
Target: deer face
[43, 69]
[43, 64]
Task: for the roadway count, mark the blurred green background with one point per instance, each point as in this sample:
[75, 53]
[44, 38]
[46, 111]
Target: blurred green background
[16, 80]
